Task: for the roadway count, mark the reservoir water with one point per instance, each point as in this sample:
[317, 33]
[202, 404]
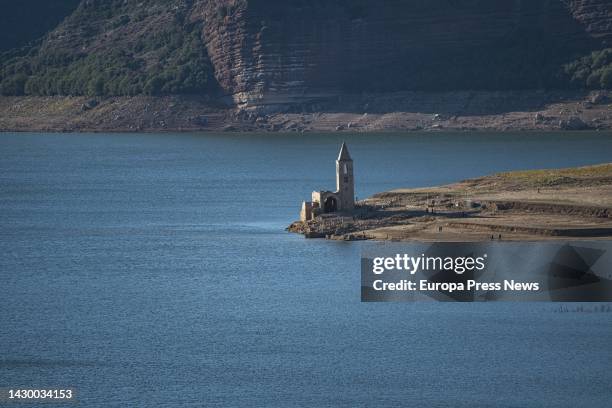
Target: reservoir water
[154, 270]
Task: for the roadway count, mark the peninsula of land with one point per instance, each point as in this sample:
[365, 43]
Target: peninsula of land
[571, 203]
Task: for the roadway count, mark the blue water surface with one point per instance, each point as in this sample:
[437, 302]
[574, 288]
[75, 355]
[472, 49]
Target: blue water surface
[153, 270]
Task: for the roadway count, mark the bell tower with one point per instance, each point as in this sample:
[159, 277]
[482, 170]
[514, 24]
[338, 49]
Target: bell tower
[345, 183]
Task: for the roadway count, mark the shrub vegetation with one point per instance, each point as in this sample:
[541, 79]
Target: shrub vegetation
[593, 71]
[128, 49]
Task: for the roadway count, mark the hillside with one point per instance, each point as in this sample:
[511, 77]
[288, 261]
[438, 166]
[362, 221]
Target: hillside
[278, 52]
[154, 46]
[116, 47]
[449, 57]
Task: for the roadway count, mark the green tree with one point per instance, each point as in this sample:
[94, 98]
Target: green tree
[95, 86]
[606, 78]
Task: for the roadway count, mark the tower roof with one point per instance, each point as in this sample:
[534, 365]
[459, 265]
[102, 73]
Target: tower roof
[344, 153]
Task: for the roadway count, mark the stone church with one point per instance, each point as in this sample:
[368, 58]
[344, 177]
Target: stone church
[343, 199]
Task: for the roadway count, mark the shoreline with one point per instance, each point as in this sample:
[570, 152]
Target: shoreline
[464, 111]
[572, 203]
[263, 132]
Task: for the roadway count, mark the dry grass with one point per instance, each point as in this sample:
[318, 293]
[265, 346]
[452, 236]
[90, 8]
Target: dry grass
[529, 179]
[598, 170]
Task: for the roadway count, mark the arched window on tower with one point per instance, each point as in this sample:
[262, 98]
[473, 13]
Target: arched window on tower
[345, 169]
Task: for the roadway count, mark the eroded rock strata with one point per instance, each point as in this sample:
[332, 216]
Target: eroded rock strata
[297, 65]
[272, 54]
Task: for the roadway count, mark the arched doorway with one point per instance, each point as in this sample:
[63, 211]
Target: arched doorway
[330, 205]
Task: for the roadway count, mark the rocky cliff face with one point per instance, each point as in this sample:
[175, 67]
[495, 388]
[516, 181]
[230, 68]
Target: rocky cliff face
[595, 16]
[269, 53]
[304, 55]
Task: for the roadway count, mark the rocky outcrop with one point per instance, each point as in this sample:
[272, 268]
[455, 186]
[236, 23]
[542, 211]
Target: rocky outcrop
[550, 208]
[271, 54]
[434, 57]
[595, 16]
